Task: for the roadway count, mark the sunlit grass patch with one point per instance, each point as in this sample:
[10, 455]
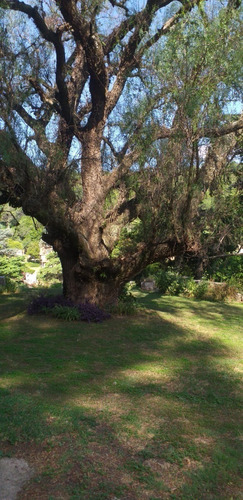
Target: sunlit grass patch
[141, 407]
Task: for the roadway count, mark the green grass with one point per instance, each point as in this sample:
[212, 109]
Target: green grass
[141, 407]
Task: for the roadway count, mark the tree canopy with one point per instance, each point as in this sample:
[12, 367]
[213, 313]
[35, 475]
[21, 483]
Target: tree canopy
[117, 117]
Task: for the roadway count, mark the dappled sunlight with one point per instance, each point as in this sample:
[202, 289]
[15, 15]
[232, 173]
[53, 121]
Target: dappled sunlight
[13, 381]
[148, 400]
[184, 307]
[113, 403]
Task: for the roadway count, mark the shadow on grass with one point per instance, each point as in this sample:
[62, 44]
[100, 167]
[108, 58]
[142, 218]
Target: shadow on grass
[55, 377]
[203, 309]
[12, 304]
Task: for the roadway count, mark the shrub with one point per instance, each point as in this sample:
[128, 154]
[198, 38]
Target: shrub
[33, 250]
[170, 282]
[220, 292]
[9, 287]
[12, 267]
[190, 287]
[65, 309]
[127, 303]
[92, 313]
[151, 271]
[52, 271]
[163, 280]
[201, 290]
[227, 270]
[177, 286]
[66, 313]
[44, 302]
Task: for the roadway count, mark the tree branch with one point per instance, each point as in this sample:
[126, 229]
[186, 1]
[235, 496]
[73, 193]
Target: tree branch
[223, 130]
[120, 5]
[54, 38]
[225, 255]
[39, 132]
[167, 27]
[131, 152]
[32, 12]
[134, 21]
[109, 143]
[130, 58]
[217, 158]
[85, 33]
[79, 77]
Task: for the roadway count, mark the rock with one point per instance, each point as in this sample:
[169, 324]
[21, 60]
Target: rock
[14, 472]
[149, 285]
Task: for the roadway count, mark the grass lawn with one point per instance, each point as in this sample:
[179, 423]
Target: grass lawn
[136, 408]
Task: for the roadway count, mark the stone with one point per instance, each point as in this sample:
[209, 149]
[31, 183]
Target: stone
[14, 473]
[149, 285]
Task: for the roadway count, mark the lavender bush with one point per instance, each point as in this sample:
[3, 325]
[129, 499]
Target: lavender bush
[87, 312]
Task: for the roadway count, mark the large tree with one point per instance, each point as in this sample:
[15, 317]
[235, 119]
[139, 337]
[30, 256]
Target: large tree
[114, 123]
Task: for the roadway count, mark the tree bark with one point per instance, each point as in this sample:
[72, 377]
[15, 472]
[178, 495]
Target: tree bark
[84, 282]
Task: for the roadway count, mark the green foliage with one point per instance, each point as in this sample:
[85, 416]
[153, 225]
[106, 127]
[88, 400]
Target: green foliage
[27, 231]
[220, 292]
[111, 199]
[190, 287]
[19, 232]
[186, 65]
[127, 303]
[12, 267]
[9, 287]
[221, 220]
[229, 269]
[177, 286]
[33, 250]
[14, 244]
[150, 271]
[170, 282]
[6, 235]
[66, 313]
[130, 235]
[201, 290]
[52, 270]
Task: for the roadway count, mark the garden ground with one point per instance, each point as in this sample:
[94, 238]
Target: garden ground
[135, 408]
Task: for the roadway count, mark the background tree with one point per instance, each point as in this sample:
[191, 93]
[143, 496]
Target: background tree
[19, 232]
[114, 125]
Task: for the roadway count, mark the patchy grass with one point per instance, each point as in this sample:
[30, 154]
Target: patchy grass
[145, 407]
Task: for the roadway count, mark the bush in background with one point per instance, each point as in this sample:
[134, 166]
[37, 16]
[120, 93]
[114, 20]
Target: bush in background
[9, 286]
[219, 292]
[201, 290]
[229, 270]
[67, 313]
[65, 309]
[52, 271]
[127, 303]
[12, 267]
[172, 283]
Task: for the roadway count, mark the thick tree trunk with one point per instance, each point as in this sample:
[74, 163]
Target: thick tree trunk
[99, 281]
[85, 282]
[102, 294]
